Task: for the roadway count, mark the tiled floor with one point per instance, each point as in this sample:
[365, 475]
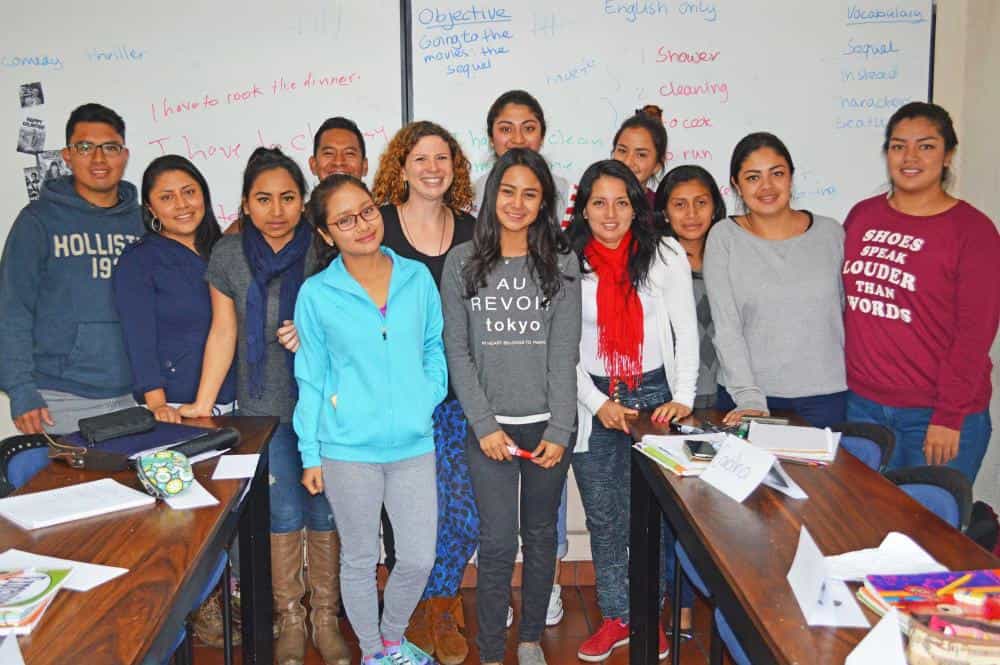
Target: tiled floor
[559, 642]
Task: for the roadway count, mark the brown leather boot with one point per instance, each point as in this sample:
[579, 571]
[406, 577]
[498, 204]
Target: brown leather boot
[450, 646]
[324, 596]
[418, 632]
[288, 589]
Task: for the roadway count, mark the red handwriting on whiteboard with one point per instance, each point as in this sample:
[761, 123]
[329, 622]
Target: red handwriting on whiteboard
[664, 54]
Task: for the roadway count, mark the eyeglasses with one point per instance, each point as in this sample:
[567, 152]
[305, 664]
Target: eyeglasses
[86, 148]
[348, 222]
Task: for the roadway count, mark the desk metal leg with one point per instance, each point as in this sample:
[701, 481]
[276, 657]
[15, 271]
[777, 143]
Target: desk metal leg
[255, 570]
[675, 600]
[644, 568]
[227, 612]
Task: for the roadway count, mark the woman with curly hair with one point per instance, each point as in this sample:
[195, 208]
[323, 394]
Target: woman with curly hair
[423, 184]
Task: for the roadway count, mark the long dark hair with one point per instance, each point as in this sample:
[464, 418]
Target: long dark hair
[645, 238]
[680, 175]
[266, 159]
[318, 208]
[545, 239]
[208, 231]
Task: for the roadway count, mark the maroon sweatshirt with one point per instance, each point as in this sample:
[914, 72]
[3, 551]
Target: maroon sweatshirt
[923, 302]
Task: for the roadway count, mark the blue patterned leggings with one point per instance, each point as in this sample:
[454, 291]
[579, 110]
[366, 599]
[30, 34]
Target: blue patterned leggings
[458, 519]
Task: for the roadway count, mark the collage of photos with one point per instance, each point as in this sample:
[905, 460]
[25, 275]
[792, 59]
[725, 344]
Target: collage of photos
[49, 164]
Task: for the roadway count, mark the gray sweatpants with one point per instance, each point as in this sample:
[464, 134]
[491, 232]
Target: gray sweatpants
[356, 492]
[68, 409]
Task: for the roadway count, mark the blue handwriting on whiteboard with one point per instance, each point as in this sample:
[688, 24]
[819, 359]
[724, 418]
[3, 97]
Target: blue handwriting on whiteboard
[701, 9]
[116, 54]
[864, 74]
[573, 73]
[633, 10]
[447, 19]
[869, 49]
[11, 61]
[884, 102]
[861, 16]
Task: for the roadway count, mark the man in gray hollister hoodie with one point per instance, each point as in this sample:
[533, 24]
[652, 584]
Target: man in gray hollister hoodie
[61, 352]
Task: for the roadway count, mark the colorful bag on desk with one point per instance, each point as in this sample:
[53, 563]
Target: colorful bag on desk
[928, 647]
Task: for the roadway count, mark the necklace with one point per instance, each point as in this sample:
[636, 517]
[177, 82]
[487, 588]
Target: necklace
[444, 228]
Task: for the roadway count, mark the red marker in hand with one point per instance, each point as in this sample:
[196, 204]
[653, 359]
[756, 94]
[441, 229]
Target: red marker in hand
[519, 452]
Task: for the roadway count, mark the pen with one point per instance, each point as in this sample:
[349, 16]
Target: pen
[945, 590]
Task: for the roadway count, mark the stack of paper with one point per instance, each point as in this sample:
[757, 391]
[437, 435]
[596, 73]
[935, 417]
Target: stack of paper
[668, 452]
[796, 444]
[73, 502]
[25, 594]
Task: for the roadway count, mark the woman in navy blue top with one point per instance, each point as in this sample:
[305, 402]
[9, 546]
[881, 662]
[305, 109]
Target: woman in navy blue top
[160, 289]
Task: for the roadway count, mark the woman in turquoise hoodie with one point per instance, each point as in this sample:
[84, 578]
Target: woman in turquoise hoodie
[371, 369]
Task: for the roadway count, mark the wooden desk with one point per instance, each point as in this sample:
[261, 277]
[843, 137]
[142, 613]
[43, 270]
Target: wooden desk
[743, 551]
[170, 554]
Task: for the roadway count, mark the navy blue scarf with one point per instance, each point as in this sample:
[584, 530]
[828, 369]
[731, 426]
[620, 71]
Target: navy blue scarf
[289, 264]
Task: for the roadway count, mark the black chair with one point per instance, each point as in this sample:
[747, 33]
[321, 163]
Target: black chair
[944, 491]
[21, 457]
[871, 443]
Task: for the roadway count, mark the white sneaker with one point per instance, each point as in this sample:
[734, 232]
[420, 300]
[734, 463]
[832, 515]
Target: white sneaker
[555, 612]
[510, 616]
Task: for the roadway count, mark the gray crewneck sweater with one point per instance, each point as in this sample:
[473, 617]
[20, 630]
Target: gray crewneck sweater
[777, 306]
[508, 356]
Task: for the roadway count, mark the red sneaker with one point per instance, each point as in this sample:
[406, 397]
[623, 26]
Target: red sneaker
[664, 650]
[612, 634]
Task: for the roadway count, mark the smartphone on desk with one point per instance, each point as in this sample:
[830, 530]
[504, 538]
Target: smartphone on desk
[699, 451]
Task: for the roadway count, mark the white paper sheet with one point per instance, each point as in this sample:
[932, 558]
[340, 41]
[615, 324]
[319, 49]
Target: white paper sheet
[883, 645]
[235, 466]
[738, 468]
[70, 503]
[85, 576]
[898, 554]
[824, 602]
[10, 651]
[208, 454]
[195, 496]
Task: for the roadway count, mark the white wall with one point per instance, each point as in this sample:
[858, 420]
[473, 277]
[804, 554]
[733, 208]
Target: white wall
[966, 72]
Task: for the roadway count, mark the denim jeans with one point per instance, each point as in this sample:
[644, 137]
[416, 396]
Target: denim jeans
[817, 410]
[909, 424]
[292, 507]
[603, 474]
[498, 498]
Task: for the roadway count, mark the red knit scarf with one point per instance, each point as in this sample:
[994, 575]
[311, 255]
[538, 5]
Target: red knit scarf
[619, 313]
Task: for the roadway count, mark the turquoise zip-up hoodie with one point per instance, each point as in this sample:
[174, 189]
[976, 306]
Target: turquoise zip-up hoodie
[368, 383]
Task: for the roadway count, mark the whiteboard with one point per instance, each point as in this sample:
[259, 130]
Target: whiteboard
[823, 75]
[207, 80]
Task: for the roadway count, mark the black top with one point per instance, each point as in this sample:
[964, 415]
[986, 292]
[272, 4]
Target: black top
[396, 240]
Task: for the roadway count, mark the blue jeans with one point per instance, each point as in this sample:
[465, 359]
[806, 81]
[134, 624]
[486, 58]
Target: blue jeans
[817, 410]
[292, 507]
[603, 474]
[909, 424]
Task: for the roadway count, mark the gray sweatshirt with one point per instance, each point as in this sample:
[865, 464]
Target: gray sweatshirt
[778, 312]
[508, 356]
